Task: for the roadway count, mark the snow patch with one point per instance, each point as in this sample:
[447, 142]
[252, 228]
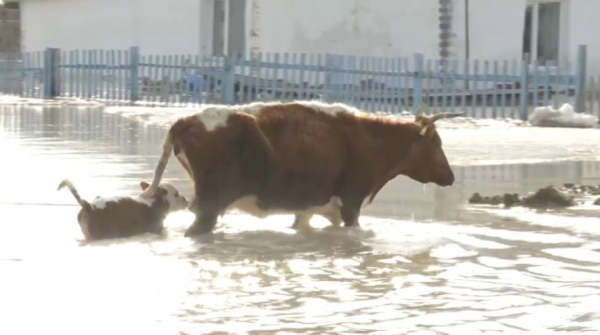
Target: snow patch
[565, 116]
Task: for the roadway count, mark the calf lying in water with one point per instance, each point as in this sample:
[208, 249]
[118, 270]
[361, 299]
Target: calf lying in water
[105, 218]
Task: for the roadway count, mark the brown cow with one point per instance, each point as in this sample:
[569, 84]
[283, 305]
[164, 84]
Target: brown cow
[303, 158]
[105, 218]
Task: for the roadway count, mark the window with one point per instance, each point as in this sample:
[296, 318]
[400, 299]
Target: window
[542, 32]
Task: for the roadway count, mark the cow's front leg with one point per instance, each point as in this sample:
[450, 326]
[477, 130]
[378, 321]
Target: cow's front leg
[205, 222]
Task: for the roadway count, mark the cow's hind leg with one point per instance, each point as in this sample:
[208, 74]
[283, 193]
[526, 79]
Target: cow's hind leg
[350, 215]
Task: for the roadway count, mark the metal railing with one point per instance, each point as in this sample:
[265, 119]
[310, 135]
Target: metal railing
[482, 89]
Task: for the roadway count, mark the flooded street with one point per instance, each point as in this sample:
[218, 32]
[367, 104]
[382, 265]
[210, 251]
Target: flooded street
[424, 261]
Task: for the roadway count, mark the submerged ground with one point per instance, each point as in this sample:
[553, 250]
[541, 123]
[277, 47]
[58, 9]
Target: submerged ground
[424, 262]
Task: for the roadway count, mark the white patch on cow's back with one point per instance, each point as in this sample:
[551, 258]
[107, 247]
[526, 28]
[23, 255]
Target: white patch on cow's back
[215, 116]
[249, 205]
[332, 109]
[327, 108]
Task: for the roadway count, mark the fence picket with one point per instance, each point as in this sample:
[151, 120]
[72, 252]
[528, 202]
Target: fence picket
[379, 84]
[388, 66]
[302, 80]
[430, 83]
[346, 79]
[535, 84]
[514, 89]
[454, 71]
[474, 90]
[495, 91]
[399, 77]
[257, 78]
[566, 93]
[463, 100]
[484, 90]
[556, 85]
[113, 79]
[407, 77]
[93, 73]
[372, 84]
[444, 84]
[437, 85]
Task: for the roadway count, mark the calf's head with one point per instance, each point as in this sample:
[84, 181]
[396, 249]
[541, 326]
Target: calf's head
[427, 162]
[169, 194]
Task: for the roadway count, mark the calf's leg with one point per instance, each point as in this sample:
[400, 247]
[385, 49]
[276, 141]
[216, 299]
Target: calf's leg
[302, 221]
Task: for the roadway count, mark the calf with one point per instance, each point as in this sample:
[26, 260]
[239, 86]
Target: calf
[304, 158]
[105, 218]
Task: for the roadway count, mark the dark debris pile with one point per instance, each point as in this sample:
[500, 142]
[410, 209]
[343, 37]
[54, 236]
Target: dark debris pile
[547, 197]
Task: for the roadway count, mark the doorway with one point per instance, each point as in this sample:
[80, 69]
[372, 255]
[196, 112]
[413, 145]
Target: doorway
[229, 27]
[541, 38]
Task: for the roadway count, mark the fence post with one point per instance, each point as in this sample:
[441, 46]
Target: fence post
[51, 73]
[417, 81]
[580, 77]
[134, 62]
[524, 90]
[327, 94]
[228, 81]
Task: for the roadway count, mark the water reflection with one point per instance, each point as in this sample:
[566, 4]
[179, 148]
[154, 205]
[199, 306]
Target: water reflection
[424, 262]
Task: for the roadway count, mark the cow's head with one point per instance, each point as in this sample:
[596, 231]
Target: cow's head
[427, 162]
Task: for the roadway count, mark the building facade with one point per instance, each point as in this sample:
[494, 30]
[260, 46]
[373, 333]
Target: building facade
[546, 30]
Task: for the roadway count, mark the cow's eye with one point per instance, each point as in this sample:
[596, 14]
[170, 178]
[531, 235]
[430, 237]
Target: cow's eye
[176, 194]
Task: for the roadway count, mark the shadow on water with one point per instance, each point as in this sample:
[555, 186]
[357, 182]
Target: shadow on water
[423, 259]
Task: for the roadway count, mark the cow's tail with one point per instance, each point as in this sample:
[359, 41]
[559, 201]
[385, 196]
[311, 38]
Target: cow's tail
[67, 183]
[160, 167]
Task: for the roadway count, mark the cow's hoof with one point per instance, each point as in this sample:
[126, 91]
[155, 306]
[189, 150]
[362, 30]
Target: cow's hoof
[196, 230]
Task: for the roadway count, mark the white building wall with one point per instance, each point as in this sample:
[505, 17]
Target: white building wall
[351, 27]
[585, 29]
[390, 27]
[156, 26]
[495, 26]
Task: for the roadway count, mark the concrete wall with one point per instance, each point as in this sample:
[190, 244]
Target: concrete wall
[496, 29]
[585, 29]
[390, 27]
[156, 26]
[351, 27]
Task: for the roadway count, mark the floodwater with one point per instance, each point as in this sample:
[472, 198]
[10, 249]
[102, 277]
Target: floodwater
[424, 261]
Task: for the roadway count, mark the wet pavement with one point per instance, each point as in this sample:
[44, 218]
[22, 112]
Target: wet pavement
[424, 262]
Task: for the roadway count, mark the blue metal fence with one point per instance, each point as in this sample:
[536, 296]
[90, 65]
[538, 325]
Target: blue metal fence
[484, 89]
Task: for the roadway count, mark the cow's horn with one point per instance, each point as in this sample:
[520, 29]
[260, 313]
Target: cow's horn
[445, 116]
